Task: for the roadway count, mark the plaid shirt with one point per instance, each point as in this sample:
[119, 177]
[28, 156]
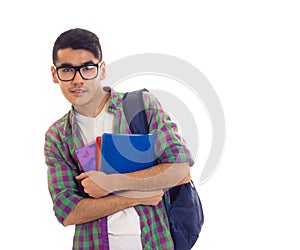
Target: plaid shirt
[61, 140]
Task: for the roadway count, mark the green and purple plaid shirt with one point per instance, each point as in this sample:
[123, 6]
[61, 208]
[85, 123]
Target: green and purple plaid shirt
[61, 140]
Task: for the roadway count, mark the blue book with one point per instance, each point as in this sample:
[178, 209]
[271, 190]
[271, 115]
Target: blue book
[125, 153]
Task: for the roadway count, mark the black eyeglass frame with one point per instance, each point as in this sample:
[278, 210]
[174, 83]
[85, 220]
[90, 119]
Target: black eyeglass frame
[77, 69]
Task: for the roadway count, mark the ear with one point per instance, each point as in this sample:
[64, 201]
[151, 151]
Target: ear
[102, 70]
[54, 76]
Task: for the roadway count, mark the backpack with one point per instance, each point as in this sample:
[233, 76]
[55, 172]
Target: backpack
[184, 210]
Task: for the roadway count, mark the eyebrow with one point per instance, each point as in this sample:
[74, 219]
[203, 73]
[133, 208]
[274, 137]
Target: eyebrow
[69, 65]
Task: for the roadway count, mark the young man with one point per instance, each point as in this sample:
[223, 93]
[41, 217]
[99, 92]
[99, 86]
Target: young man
[117, 211]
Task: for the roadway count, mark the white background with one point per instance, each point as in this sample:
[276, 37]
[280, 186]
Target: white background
[249, 51]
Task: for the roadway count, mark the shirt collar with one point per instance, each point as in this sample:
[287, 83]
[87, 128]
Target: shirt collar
[116, 100]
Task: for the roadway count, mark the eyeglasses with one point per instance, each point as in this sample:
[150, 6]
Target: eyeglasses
[87, 72]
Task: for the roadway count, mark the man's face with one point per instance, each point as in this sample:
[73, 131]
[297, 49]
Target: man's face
[78, 91]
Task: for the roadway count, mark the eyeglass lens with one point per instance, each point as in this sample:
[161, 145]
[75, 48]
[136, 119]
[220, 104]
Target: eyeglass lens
[87, 72]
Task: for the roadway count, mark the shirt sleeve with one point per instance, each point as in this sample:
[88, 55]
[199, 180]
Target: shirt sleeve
[170, 146]
[63, 187]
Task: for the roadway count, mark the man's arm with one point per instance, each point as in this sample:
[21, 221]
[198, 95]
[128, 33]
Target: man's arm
[161, 176]
[89, 209]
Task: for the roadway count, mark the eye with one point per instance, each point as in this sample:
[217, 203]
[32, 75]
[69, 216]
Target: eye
[88, 68]
[66, 70]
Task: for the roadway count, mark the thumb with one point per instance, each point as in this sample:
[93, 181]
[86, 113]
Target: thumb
[81, 176]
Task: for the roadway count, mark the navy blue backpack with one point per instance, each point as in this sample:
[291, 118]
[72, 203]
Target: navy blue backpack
[185, 211]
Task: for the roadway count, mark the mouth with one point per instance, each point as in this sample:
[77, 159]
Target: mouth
[78, 91]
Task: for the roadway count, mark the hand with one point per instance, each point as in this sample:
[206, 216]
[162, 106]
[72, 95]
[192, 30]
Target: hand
[151, 198]
[96, 184]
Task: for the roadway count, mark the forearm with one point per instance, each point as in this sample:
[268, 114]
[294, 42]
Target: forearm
[158, 177]
[89, 209]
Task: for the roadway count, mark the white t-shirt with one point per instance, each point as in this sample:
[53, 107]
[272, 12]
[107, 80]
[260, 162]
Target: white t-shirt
[124, 226]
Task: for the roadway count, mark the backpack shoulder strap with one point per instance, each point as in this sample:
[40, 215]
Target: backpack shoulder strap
[134, 110]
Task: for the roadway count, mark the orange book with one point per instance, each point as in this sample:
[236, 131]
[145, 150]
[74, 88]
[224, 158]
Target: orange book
[98, 152]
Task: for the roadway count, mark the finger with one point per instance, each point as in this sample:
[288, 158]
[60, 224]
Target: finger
[81, 176]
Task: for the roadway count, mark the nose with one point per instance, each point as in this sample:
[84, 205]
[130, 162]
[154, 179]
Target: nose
[77, 78]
